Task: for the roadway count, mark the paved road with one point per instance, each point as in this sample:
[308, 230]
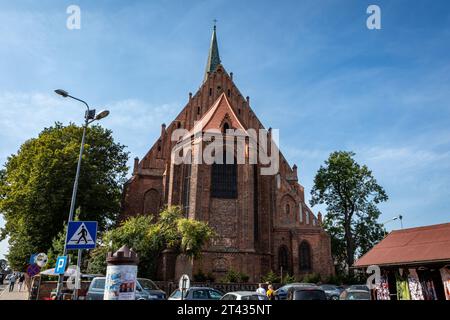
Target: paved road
[15, 295]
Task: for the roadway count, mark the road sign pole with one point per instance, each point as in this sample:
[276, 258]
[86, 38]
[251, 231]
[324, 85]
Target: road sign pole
[78, 275]
[72, 202]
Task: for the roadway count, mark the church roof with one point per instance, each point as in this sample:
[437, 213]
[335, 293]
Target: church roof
[213, 56]
[220, 111]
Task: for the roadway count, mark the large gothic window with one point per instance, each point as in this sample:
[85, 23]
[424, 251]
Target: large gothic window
[304, 253]
[283, 258]
[224, 179]
[186, 188]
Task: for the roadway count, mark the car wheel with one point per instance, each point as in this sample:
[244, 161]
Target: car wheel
[334, 298]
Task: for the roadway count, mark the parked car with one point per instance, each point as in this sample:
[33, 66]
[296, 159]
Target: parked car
[332, 291]
[244, 295]
[146, 289]
[281, 293]
[197, 293]
[359, 287]
[351, 294]
[306, 293]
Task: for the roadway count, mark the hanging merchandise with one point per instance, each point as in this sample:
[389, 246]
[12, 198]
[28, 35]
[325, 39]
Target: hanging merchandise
[402, 287]
[382, 288]
[415, 288]
[445, 275]
[429, 293]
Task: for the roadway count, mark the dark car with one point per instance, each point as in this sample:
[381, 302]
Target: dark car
[306, 293]
[146, 289]
[350, 294]
[281, 293]
[332, 291]
[197, 293]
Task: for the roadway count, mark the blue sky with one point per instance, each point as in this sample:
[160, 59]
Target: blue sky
[311, 68]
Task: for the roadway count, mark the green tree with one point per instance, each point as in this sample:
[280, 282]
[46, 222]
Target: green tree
[351, 195]
[36, 186]
[149, 236]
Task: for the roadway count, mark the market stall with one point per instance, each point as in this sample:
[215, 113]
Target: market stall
[414, 264]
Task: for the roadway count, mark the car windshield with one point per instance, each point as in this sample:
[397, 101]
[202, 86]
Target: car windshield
[358, 296]
[99, 284]
[328, 287]
[215, 294]
[177, 294]
[359, 287]
[148, 284]
[309, 295]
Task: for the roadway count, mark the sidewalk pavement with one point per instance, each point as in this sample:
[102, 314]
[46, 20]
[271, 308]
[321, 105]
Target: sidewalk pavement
[15, 295]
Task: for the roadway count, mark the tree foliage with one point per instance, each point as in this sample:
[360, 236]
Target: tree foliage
[351, 195]
[36, 186]
[149, 236]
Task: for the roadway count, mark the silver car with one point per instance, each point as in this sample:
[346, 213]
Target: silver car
[244, 295]
[146, 289]
[197, 293]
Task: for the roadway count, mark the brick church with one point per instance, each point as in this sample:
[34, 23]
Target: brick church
[262, 221]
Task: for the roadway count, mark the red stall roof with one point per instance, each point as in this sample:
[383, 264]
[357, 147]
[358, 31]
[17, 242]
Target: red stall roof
[410, 246]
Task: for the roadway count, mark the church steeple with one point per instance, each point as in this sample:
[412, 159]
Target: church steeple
[213, 55]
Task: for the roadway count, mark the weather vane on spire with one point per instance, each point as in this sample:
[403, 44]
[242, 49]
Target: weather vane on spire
[215, 22]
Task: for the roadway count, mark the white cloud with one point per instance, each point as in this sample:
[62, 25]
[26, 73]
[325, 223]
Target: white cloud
[135, 123]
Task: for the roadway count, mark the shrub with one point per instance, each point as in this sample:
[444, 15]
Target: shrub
[210, 277]
[244, 277]
[235, 277]
[312, 278]
[200, 276]
[288, 279]
[271, 277]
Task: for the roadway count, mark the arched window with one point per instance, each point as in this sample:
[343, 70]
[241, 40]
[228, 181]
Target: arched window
[283, 258]
[287, 209]
[226, 126]
[224, 179]
[304, 253]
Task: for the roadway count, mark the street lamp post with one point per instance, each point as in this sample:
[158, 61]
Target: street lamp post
[399, 217]
[90, 116]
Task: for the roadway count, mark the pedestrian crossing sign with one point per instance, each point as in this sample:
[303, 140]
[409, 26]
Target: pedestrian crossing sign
[81, 235]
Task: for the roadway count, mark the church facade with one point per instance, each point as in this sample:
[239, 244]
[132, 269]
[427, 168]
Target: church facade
[262, 220]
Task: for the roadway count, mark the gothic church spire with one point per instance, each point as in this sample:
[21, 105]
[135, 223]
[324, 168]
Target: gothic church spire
[213, 55]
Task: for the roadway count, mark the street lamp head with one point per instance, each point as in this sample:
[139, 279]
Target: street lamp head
[102, 114]
[62, 93]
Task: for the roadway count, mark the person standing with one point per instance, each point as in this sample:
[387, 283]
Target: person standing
[261, 289]
[21, 280]
[270, 291]
[12, 282]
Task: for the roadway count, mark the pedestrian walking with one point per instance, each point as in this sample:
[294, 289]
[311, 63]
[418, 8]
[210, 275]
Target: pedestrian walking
[12, 282]
[270, 292]
[21, 280]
